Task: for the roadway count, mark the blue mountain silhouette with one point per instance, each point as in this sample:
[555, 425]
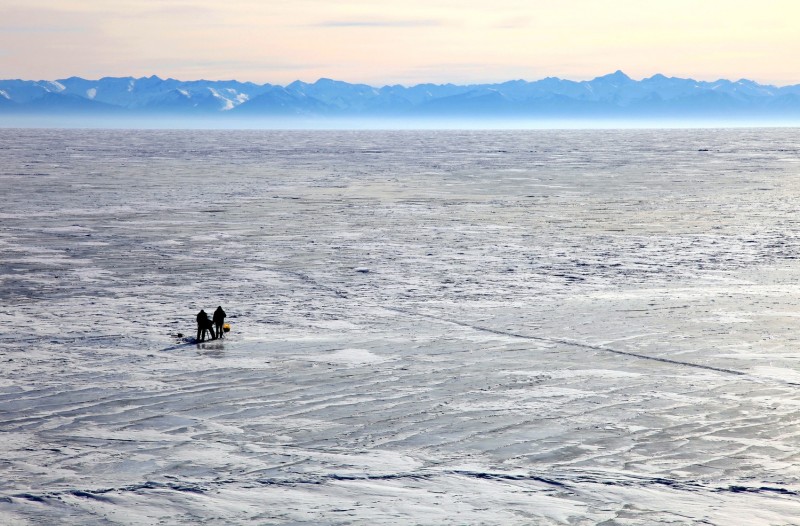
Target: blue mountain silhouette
[610, 96]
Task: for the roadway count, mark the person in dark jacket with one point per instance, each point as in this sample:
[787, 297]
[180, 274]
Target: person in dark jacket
[219, 321]
[203, 325]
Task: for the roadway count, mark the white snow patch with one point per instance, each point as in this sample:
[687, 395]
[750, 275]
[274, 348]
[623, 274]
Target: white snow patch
[349, 357]
[55, 86]
[91, 93]
[4, 95]
[227, 103]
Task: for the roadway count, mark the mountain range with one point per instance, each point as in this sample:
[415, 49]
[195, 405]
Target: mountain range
[610, 96]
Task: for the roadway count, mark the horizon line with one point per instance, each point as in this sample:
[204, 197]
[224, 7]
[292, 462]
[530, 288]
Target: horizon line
[618, 72]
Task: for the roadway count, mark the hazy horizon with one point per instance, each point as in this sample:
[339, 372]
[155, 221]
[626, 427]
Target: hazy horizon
[377, 124]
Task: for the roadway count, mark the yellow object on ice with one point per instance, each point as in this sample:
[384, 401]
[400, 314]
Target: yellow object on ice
[226, 327]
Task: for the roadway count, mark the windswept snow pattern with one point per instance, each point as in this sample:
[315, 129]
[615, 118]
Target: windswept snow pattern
[226, 103]
[53, 85]
[551, 328]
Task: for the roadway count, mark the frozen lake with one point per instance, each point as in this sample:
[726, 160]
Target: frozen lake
[514, 328]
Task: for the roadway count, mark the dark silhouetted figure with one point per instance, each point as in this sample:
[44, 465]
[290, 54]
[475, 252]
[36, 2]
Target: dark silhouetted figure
[203, 325]
[219, 321]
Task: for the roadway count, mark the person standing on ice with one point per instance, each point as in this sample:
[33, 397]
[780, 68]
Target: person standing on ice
[203, 325]
[219, 321]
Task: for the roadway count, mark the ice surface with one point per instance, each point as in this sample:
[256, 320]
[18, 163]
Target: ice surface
[427, 327]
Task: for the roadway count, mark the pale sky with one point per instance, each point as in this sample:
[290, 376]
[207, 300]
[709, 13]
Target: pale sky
[406, 42]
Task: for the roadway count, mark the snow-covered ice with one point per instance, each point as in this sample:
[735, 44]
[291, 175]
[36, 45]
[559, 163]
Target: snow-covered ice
[427, 327]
